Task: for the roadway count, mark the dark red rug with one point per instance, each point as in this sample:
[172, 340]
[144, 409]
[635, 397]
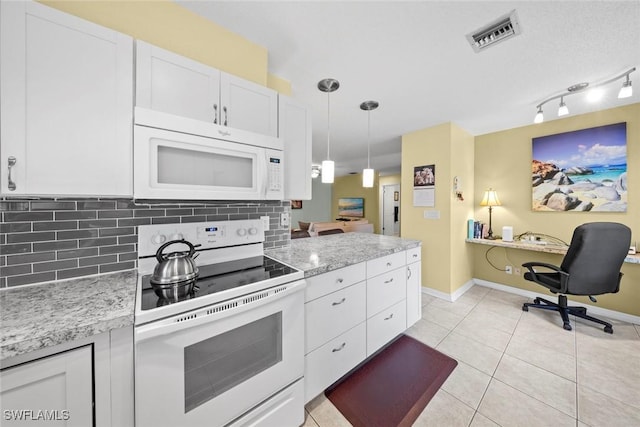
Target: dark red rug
[394, 386]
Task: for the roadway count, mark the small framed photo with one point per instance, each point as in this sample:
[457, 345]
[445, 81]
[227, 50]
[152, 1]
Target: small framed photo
[296, 204]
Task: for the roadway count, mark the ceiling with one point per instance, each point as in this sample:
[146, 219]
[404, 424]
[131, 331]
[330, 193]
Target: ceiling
[413, 58]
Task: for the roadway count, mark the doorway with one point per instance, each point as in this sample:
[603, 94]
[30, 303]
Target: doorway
[391, 210]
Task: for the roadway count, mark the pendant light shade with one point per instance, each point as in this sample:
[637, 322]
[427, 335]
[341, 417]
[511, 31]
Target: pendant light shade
[368, 173]
[328, 166]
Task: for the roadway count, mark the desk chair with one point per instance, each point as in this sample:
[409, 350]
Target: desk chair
[591, 266]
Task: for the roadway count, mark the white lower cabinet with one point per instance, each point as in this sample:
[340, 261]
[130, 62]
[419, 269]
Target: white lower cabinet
[55, 390]
[328, 363]
[414, 285]
[384, 326]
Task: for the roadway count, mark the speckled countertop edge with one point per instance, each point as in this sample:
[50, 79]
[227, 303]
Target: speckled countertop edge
[38, 316]
[321, 254]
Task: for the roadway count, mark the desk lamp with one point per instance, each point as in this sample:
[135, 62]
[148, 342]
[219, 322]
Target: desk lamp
[490, 199]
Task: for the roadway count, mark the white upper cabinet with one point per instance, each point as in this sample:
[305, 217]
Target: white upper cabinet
[295, 131]
[171, 83]
[66, 104]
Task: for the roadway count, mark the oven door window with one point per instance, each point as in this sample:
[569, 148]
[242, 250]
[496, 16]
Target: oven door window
[192, 167]
[218, 364]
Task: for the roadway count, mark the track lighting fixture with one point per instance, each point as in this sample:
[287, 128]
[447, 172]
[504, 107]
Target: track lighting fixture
[594, 94]
[328, 166]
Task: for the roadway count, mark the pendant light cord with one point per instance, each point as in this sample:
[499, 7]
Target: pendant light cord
[328, 123]
[368, 139]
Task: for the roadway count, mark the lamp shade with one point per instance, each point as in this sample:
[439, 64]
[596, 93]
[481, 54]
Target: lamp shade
[367, 178]
[490, 198]
[328, 167]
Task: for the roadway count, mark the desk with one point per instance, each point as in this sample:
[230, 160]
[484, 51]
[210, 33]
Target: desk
[537, 247]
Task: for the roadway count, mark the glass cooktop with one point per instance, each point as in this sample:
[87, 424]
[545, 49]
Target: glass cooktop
[218, 278]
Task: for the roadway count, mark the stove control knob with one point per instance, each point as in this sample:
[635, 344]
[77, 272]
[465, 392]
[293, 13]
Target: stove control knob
[158, 239]
[253, 231]
[177, 236]
[241, 232]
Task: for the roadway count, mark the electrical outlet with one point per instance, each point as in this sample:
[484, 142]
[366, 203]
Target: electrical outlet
[284, 219]
[508, 269]
[265, 222]
[516, 271]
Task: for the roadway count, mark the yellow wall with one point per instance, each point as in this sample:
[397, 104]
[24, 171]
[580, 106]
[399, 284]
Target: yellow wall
[446, 263]
[351, 186]
[172, 27]
[503, 162]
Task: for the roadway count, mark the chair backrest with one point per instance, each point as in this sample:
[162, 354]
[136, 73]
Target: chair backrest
[595, 256]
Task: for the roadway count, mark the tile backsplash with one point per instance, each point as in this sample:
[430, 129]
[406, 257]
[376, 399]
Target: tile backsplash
[53, 239]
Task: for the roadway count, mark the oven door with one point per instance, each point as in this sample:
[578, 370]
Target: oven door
[210, 366]
[175, 165]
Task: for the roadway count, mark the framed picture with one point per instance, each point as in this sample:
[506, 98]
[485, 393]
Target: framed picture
[424, 176]
[296, 204]
[580, 171]
[352, 207]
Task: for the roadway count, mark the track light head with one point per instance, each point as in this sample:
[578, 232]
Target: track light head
[539, 116]
[626, 90]
[563, 110]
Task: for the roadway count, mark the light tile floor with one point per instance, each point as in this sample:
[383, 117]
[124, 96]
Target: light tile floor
[520, 368]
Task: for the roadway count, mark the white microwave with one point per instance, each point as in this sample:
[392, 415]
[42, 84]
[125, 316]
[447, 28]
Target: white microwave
[180, 158]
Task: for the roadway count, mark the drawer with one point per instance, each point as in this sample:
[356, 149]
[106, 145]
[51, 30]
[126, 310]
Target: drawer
[324, 284]
[414, 254]
[384, 326]
[384, 264]
[330, 315]
[385, 290]
[328, 363]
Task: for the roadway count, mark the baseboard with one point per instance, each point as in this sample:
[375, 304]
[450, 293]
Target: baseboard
[593, 309]
[449, 297]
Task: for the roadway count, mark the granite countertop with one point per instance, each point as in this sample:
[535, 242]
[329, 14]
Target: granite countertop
[317, 255]
[37, 316]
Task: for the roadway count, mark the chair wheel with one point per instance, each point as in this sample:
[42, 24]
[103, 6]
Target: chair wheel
[525, 308]
[567, 326]
[536, 301]
[608, 329]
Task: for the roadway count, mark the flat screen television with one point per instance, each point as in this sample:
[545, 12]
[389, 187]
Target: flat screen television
[351, 207]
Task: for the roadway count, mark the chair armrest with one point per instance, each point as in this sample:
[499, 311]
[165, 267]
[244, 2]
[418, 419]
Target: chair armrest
[529, 266]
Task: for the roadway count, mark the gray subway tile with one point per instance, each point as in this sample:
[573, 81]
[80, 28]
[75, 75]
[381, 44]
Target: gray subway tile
[61, 216]
[14, 206]
[31, 237]
[121, 231]
[96, 205]
[148, 212]
[77, 272]
[27, 216]
[128, 256]
[77, 253]
[53, 205]
[15, 270]
[122, 213]
[97, 260]
[248, 210]
[55, 225]
[217, 217]
[129, 222]
[166, 220]
[200, 218]
[15, 227]
[103, 241]
[127, 239]
[179, 212]
[206, 211]
[31, 257]
[228, 211]
[26, 279]
[77, 234]
[238, 216]
[55, 265]
[106, 268]
[105, 250]
[55, 246]
[3, 282]
[126, 204]
[97, 223]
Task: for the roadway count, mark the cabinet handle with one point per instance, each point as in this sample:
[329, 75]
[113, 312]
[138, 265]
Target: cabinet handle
[224, 109]
[390, 317]
[339, 348]
[388, 264]
[339, 280]
[389, 281]
[415, 255]
[11, 161]
[408, 272]
[224, 132]
[215, 114]
[339, 302]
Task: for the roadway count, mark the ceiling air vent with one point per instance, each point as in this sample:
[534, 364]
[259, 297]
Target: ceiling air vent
[501, 29]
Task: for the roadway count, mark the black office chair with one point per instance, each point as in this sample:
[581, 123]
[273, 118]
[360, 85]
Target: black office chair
[591, 266]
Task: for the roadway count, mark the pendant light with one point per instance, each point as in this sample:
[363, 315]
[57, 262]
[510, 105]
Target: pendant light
[367, 174]
[328, 166]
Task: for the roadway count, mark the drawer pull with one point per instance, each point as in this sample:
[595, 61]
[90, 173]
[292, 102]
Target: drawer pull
[389, 281]
[408, 272]
[415, 255]
[388, 264]
[390, 317]
[11, 162]
[339, 348]
[339, 302]
[339, 280]
[215, 114]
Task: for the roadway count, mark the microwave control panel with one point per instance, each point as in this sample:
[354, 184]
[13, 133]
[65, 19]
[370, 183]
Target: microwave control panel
[274, 189]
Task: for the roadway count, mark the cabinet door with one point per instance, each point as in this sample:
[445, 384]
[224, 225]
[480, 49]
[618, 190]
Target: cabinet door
[58, 387]
[294, 127]
[248, 106]
[66, 104]
[414, 293]
[173, 84]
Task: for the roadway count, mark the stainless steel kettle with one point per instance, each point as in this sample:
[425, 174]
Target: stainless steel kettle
[175, 267]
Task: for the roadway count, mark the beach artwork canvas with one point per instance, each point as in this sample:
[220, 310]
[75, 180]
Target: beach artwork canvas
[351, 207]
[581, 171]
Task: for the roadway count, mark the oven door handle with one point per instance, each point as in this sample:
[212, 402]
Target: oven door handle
[195, 318]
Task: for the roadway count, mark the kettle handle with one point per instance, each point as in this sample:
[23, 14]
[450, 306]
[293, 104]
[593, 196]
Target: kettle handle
[160, 255]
